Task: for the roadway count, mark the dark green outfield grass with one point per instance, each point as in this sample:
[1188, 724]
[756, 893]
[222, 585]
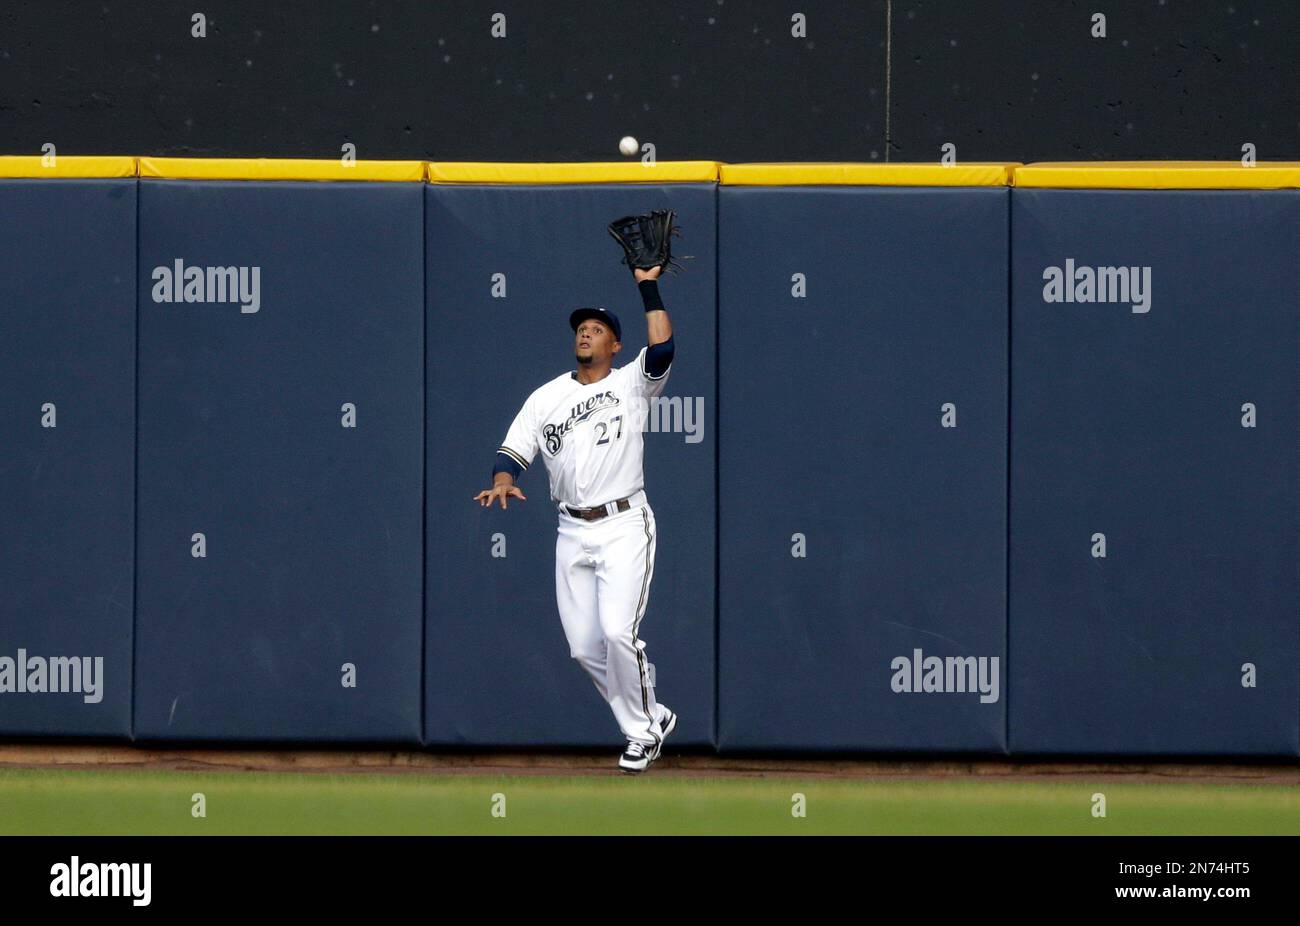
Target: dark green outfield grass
[59, 802]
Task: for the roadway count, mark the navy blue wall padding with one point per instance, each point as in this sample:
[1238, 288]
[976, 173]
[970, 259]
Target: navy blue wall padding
[313, 529]
[67, 338]
[498, 669]
[831, 427]
[1130, 425]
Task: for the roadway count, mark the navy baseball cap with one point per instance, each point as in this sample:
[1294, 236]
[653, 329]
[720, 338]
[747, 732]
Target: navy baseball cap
[604, 316]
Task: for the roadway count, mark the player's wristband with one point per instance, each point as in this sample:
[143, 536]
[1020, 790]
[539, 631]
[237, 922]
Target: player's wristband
[506, 464]
[650, 295]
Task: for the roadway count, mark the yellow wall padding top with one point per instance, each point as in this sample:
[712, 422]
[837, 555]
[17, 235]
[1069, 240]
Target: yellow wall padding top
[593, 172]
[798, 174]
[66, 166]
[1159, 175]
[279, 169]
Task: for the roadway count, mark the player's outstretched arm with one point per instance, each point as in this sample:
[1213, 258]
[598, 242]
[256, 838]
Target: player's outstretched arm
[658, 326]
[511, 459]
[503, 487]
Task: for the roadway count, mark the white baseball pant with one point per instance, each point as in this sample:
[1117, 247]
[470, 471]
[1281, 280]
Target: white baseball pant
[602, 586]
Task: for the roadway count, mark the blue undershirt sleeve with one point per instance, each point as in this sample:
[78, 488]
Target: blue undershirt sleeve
[658, 357]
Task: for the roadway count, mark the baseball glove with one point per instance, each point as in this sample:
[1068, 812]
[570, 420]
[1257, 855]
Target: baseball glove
[647, 240]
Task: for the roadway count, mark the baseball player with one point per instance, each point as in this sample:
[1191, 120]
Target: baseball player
[587, 424]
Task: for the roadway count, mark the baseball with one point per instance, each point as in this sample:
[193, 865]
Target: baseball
[629, 145]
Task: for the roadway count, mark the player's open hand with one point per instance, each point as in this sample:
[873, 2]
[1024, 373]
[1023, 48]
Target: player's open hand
[501, 493]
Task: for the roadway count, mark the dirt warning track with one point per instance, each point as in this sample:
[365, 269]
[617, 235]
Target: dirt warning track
[566, 764]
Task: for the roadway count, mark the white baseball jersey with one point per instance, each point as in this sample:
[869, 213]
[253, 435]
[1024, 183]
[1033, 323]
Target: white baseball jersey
[590, 436]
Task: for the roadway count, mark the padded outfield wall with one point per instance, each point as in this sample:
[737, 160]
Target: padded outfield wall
[510, 251]
[280, 449]
[1155, 460]
[912, 497]
[862, 469]
[67, 445]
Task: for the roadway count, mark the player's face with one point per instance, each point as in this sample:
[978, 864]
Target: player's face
[594, 342]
